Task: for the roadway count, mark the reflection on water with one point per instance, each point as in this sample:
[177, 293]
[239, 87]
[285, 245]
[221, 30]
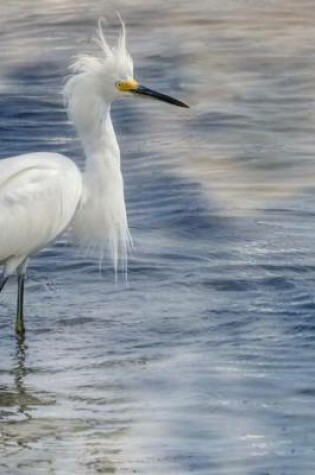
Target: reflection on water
[203, 363]
[17, 398]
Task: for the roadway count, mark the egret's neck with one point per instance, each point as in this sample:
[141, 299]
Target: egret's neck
[99, 141]
[101, 219]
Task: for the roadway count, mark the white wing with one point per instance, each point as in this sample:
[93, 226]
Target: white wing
[39, 194]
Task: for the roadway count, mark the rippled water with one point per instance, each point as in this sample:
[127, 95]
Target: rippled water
[204, 362]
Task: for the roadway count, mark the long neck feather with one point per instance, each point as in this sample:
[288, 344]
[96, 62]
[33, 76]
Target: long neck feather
[101, 220]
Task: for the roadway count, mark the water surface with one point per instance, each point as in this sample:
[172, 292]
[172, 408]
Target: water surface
[204, 362]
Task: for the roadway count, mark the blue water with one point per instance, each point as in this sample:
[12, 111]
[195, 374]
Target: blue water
[204, 362]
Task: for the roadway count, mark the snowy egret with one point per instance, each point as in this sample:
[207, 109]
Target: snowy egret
[41, 194]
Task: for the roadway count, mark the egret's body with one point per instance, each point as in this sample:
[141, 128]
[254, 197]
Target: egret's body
[41, 194]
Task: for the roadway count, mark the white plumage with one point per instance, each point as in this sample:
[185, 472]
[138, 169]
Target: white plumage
[101, 220]
[41, 194]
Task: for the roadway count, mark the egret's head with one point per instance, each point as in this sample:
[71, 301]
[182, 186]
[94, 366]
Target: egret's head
[110, 73]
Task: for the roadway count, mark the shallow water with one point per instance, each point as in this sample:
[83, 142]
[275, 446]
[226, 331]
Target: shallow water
[204, 362]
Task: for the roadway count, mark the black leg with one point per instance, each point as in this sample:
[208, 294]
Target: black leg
[19, 323]
[3, 281]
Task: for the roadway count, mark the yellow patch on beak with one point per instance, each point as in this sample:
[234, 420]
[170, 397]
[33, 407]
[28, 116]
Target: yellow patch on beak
[127, 86]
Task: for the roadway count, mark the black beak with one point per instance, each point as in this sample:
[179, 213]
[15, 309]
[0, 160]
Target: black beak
[144, 91]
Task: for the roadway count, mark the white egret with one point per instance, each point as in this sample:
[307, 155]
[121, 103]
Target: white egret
[41, 194]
